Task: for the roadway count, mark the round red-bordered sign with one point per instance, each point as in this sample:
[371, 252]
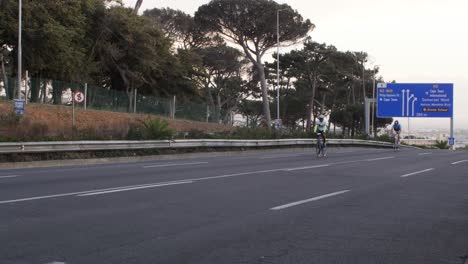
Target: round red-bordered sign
[78, 97]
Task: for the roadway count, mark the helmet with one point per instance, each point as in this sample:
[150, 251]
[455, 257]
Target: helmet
[396, 122]
[321, 117]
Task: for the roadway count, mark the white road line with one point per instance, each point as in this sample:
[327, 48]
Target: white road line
[307, 167]
[182, 180]
[233, 175]
[343, 152]
[458, 162]
[9, 176]
[425, 153]
[76, 193]
[414, 173]
[135, 188]
[173, 164]
[383, 158]
[281, 156]
[39, 198]
[308, 200]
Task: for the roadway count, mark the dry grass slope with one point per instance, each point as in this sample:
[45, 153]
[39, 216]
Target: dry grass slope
[55, 122]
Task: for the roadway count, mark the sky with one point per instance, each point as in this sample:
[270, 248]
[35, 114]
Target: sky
[412, 41]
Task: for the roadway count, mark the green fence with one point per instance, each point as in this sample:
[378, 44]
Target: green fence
[99, 98]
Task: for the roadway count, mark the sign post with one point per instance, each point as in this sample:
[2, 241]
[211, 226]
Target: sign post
[78, 97]
[416, 100]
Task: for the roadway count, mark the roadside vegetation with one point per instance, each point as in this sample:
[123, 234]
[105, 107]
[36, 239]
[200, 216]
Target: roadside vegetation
[164, 52]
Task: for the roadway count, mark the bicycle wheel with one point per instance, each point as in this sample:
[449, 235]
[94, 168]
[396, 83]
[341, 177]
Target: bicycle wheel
[318, 148]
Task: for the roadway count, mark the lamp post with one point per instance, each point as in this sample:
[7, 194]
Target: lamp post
[373, 101]
[278, 64]
[20, 15]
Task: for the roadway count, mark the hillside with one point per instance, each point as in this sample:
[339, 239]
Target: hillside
[55, 123]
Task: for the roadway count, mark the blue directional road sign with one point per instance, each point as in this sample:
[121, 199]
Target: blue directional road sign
[19, 107]
[415, 100]
[451, 141]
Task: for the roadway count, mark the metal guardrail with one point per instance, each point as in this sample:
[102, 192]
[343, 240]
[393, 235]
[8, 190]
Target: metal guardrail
[61, 146]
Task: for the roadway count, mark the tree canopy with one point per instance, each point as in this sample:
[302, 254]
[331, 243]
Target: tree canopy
[251, 24]
[215, 57]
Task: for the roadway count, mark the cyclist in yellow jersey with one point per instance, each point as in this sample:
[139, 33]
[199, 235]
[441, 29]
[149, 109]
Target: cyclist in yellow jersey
[321, 128]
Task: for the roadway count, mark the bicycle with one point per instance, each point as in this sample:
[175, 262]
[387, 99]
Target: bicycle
[321, 146]
[396, 143]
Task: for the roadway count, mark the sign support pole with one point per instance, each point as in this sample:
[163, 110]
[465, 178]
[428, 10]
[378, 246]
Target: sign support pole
[85, 96]
[73, 112]
[452, 147]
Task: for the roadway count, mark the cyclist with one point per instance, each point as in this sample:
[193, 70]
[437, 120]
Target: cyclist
[396, 129]
[321, 128]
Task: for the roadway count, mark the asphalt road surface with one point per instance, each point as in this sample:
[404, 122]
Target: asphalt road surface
[355, 206]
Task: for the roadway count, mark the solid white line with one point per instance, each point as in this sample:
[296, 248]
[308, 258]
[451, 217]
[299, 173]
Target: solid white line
[173, 164]
[383, 158]
[39, 197]
[134, 188]
[308, 200]
[281, 156]
[458, 162]
[425, 153]
[343, 152]
[75, 193]
[307, 167]
[414, 173]
[9, 176]
[234, 175]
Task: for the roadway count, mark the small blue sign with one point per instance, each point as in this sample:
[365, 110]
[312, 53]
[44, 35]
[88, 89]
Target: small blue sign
[20, 106]
[451, 141]
[415, 100]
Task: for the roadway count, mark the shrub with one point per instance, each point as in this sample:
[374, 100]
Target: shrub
[385, 138]
[197, 134]
[157, 129]
[135, 132]
[442, 144]
[253, 133]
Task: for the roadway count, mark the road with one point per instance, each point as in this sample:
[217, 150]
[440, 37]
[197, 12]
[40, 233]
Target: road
[355, 206]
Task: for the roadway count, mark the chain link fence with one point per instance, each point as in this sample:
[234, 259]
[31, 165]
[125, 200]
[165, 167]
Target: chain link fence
[99, 98]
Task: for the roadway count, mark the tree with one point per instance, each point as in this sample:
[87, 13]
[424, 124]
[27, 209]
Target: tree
[137, 6]
[221, 79]
[178, 27]
[251, 24]
[307, 63]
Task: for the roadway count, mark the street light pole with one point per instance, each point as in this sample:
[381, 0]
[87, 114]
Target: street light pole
[20, 15]
[373, 102]
[277, 67]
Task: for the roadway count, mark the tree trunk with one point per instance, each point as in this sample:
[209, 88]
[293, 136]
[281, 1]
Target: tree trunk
[210, 101]
[218, 109]
[137, 6]
[130, 95]
[310, 110]
[56, 92]
[35, 87]
[5, 78]
[44, 92]
[266, 101]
